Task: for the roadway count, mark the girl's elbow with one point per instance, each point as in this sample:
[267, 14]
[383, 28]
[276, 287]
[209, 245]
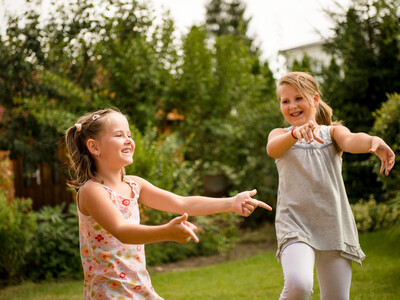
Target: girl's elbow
[272, 153]
[122, 235]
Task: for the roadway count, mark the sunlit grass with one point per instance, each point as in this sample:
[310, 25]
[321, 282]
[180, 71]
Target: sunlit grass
[258, 277]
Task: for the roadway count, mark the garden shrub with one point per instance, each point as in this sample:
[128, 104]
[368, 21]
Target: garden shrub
[17, 226]
[217, 234]
[55, 246]
[387, 126]
[160, 160]
[370, 215]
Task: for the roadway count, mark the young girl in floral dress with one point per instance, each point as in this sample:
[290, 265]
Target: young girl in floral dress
[111, 236]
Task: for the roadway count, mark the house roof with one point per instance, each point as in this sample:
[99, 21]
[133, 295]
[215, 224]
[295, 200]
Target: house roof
[318, 43]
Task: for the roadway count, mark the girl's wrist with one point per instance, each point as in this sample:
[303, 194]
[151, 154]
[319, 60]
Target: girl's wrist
[291, 133]
[165, 232]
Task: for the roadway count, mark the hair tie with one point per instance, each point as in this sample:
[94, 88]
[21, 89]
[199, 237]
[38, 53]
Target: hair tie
[95, 117]
[78, 127]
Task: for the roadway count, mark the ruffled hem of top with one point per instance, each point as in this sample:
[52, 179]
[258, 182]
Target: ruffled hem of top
[351, 252]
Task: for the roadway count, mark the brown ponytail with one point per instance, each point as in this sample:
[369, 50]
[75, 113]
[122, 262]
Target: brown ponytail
[81, 162]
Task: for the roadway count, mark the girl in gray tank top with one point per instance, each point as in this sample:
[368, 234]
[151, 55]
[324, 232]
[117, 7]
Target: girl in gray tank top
[314, 222]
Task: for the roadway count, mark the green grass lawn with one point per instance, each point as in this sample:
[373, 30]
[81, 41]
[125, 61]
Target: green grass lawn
[258, 277]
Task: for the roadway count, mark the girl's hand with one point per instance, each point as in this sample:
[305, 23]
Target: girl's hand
[182, 230]
[244, 205]
[308, 131]
[385, 154]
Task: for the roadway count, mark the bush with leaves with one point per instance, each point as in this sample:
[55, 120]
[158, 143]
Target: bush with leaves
[387, 126]
[55, 246]
[17, 226]
[370, 215]
[217, 234]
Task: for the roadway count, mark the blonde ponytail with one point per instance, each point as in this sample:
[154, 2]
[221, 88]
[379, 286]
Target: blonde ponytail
[323, 114]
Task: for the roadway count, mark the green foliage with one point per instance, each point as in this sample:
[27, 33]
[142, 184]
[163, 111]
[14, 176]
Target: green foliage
[161, 162]
[371, 216]
[226, 18]
[229, 109]
[307, 64]
[17, 226]
[85, 58]
[387, 126]
[6, 178]
[217, 234]
[137, 67]
[365, 66]
[366, 45]
[55, 247]
[89, 54]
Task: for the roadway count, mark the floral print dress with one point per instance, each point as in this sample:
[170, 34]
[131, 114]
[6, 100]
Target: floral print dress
[114, 270]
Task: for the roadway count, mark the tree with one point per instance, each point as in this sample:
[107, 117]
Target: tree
[76, 60]
[365, 67]
[365, 45]
[304, 65]
[227, 18]
[228, 110]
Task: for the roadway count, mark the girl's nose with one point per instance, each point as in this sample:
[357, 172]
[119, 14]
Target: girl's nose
[130, 141]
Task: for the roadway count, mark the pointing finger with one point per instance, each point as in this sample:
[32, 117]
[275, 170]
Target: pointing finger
[190, 225]
[256, 203]
[192, 234]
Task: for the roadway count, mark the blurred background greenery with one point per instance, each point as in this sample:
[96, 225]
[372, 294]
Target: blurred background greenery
[200, 107]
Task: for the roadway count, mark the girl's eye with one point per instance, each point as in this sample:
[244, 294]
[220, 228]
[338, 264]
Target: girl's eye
[299, 98]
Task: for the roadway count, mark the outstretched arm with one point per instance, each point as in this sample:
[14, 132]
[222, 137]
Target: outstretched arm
[94, 200]
[157, 198]
[364, 143]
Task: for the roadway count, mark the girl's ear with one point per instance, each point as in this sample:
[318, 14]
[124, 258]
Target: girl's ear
[316, 100]
[92, 146]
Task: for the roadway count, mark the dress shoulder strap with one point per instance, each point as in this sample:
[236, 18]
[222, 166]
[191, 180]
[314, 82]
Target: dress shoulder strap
[134, 186]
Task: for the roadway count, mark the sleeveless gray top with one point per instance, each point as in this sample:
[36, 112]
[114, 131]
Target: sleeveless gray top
[312, 203]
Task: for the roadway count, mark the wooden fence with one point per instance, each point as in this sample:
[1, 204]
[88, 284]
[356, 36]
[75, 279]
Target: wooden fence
[46, 185]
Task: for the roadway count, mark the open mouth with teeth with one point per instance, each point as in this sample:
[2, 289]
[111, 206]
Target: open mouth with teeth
[296, 114]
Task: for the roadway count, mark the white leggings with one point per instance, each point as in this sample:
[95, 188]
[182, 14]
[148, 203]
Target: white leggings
[333, 271]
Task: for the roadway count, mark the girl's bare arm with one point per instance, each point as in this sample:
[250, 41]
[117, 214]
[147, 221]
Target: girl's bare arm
[364, 143]
[160, 199]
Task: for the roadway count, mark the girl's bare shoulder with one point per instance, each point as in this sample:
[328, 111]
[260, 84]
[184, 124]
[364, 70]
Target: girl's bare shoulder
[336, 130]
[276, 132]
[91, 193]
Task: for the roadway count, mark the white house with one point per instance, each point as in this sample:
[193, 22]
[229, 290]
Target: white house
[313, 50]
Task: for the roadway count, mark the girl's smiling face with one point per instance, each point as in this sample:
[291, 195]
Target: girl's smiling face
[116, 144]
[296, 109]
